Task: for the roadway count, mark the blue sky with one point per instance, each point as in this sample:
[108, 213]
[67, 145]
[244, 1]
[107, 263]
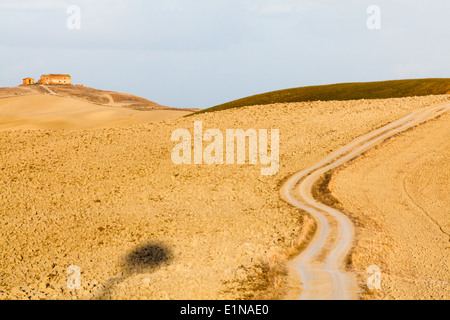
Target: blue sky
[199, 53]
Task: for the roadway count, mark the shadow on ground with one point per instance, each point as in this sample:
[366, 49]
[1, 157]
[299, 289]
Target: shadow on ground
[145, 258]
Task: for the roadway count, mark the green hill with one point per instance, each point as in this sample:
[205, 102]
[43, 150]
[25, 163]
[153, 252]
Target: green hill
[344, 91]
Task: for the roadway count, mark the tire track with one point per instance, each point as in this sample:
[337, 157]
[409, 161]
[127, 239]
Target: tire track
[325, 279]
[405, 189]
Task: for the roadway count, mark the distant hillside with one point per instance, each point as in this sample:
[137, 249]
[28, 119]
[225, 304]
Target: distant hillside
[52, 112]
[21, 91]
[101, 97]
[344, 91]
[106, 97]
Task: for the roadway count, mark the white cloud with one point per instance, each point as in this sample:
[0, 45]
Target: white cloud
[280, 6]
[419, 69]
[33, 5]
[171, 6]
[245, 46]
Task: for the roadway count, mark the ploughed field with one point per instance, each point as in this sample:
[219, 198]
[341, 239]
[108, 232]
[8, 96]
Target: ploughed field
[111, 202]
[49, 112]
[398, 197]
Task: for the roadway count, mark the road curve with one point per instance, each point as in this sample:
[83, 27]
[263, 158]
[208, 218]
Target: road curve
[320, 266]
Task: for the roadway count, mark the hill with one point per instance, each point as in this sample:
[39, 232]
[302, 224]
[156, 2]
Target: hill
[344, 91]
[110, 200]
[86, 94]
[52, 112]
[106, 97]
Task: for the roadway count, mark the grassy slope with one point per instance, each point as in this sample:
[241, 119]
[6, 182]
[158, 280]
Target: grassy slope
[345, 91]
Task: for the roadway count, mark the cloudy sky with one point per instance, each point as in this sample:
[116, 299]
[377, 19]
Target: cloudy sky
[200, 53]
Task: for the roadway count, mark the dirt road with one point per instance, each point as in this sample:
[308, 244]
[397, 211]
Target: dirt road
[91, 197]
[321, 265]
[50, 91]
[402, 213]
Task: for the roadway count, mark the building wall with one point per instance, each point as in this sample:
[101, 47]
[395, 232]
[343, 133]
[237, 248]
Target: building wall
[28, 81]
[55, 79]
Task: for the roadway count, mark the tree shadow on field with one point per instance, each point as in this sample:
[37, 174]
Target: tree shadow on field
[145, 258]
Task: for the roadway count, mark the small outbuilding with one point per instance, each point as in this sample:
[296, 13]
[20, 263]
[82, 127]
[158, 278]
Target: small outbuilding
[28, 81]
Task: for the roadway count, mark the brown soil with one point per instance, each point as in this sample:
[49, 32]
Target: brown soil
[398, 195]
[111, 202]
[55, 113]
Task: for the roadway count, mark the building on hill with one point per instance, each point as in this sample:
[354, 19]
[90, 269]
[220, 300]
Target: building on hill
[28, 81]
[55, 79]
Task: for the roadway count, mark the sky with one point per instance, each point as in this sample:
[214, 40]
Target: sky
[201, 53]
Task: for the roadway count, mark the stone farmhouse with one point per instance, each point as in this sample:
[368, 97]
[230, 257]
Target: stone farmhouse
[55, 79]
[50, 79]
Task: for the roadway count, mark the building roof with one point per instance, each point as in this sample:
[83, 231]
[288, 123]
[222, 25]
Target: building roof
[59, 75]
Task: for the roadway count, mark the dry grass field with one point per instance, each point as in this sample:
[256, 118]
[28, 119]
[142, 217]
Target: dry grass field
[89, 95]
[398, 197]
[48, 112]
[106, 97]
[20, 91]
[110, 201]
[344, 92]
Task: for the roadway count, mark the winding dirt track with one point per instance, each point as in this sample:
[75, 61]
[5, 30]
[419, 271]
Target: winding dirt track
[320, 266]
